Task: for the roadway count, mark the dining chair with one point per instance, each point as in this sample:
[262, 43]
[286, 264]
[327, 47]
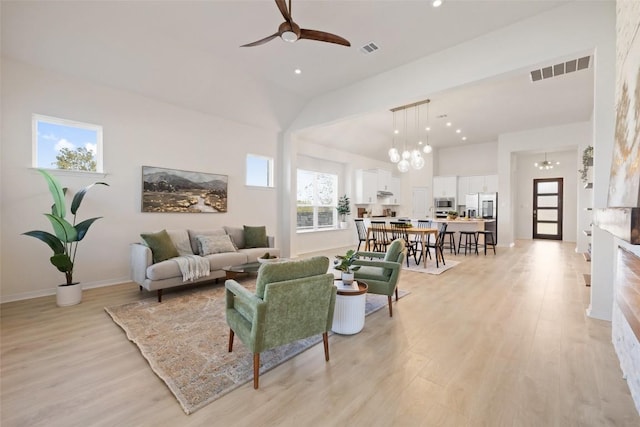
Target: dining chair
[423, 223]
[380, 236]
[399, 231]
[362, 234]
[437, 246]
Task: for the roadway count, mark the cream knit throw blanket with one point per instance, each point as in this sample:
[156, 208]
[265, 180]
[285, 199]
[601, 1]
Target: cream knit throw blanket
[192, 267]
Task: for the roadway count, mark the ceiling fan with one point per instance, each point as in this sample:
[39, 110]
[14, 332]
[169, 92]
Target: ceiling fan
[289, 31]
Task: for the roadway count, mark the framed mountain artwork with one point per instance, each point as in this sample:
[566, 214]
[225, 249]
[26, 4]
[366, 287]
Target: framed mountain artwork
[178, 191]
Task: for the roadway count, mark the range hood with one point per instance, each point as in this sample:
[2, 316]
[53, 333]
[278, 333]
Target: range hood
[383, 194]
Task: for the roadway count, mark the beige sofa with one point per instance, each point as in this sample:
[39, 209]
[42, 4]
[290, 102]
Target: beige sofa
[167, 274]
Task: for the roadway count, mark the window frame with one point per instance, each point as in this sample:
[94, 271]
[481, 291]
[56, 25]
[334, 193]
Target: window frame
[37, 118]
[315, 205]
[270, 170]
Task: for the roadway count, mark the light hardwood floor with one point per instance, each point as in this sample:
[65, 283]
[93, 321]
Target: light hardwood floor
[496, 341]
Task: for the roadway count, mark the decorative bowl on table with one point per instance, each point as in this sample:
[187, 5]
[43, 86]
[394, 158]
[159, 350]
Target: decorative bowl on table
[267, 260]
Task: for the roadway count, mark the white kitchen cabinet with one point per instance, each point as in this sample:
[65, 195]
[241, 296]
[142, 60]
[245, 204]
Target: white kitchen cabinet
[396, 189]
[463, 188]
[445, 186]
[366, 186]
[490, 184]
[476, 183]
[384, 180]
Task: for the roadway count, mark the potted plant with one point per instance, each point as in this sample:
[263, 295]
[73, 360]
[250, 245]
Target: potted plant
[587, 162]
[64, 242]
[344, 263]
[344, 209]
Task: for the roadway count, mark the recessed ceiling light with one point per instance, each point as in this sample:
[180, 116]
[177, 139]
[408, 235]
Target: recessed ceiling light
[458, 131]
[436, 3]
[448, 123]
[297, 71]
[427, 128]
[464, 138]
[396, 131]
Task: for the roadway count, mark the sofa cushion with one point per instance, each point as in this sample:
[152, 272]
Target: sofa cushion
[215, 244]
[162, 248]
[205, 232]
[219, 261]
[237, 236]
[255, 237]
[170, 269]
[180, 239]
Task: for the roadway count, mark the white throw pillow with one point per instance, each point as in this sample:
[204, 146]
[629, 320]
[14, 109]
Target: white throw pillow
[215, 244]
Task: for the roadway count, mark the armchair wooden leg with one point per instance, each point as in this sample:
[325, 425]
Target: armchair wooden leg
[390, 308]
[325, 340]
[256, 369]
[396, 293]
[231, 335]
[159, 295]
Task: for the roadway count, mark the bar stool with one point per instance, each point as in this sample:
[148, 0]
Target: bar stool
[488, 240]
[470, 241]
[449, 241]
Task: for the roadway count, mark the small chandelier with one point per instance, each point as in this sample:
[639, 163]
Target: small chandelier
[545, 164]
[408, 158]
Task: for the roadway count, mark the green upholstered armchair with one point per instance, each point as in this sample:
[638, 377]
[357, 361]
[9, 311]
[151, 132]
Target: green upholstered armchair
[293, 300]
[382, 272]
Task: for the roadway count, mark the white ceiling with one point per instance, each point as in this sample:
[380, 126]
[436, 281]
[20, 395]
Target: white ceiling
[187, 53]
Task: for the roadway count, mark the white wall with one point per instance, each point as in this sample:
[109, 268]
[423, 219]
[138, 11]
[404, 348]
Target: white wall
[468, 160]
[526, 173]
[137, 131]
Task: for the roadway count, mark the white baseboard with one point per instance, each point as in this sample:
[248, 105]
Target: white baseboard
[52, 291]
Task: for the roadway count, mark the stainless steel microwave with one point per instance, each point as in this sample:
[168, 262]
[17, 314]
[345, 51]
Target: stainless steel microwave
[444, 202]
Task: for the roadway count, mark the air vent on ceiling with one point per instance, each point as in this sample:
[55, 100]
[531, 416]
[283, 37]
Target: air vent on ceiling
[369, 48]
[560, 69]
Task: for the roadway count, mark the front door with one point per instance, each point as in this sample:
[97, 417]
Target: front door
[547, 208]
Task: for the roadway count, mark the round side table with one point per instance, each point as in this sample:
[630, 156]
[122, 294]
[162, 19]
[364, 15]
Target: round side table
[348, 315]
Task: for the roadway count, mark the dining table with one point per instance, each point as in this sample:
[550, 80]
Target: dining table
[419, 231]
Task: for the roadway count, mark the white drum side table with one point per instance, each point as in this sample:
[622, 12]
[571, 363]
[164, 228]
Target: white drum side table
[348, 315]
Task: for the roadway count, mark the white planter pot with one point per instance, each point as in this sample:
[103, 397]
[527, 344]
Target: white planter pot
[68, 295]
[347, 278]
[344, 224]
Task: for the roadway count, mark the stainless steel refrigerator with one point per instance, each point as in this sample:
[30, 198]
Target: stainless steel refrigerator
[485, 206]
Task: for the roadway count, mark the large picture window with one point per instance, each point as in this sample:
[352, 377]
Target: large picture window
[66, 144]
[317, 198]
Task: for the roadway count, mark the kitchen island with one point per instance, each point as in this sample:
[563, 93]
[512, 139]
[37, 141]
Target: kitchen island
[455, 225]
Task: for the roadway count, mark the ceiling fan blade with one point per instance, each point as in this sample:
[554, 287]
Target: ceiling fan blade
[282, 5]
[262, 41]
[321, 36]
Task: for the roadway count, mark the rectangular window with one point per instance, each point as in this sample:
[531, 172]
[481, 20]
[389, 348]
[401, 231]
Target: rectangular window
[259, 171]
[317, 198]
[66, 144]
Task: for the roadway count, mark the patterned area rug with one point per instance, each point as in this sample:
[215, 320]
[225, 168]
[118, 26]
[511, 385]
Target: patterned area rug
[185, 340]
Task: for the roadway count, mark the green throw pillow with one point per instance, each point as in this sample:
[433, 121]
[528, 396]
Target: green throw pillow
[161, 245]
[255, 237]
